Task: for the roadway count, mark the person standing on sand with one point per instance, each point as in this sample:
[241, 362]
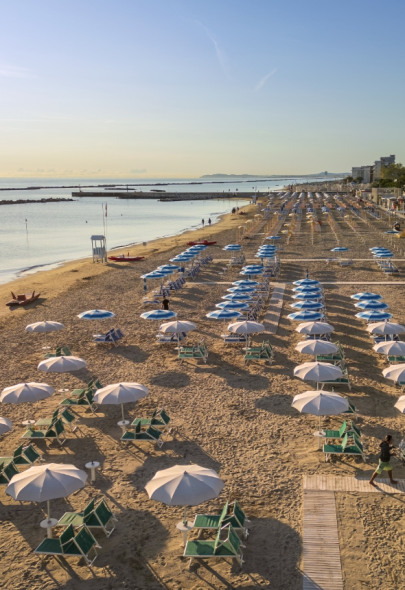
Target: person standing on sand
[384, 460]
[165, 303]
[209, 221]
[202, 222]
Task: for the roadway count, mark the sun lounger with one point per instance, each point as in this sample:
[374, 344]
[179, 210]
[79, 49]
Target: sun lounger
[23, 455]
[343, 380]
[54, 432]
[7, 471]
[159, 420]
[349, 446]
[111, 337]
[194, 352]
[349, 429]
[83, 399]
[81, 544]
[396, 359]
[98, 516]
[170, 338]
[335, 358]
[151, 434]
[65, 415]
[263, 352]
[60, 351]
[227, 544]
[231, 514]
[234, 338]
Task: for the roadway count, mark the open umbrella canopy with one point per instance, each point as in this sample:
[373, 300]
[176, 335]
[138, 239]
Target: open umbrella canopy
[306, 282]
[317, 371]
[366, 295]
[339, 249]
[251, 271]
[120, 393]
[26, 392]
[395, 373]
[242, 289]
[232, 247]
[158, 314]
[315, 328]
[184, 485]
[154, 275]
[308, 295]
[42, 483]
[232, 305]
[390, 347]
[5, 425]
[400, 404]
[245, 283]
[237, 297]
[177, 327]
[223, 314]
[307, 304]
[320, 403]
[371, 304]
[385, 328]
[246, 327]
[316, 347]
[164, 267]
[305, 315]
[374, 316]
[306, 288]
[96, 314]
[44, 327]
[61, 364]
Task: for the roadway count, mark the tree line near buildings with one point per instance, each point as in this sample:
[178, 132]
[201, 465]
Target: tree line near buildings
[392, 175]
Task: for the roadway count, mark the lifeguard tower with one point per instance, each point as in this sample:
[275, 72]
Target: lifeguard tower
[99, 249]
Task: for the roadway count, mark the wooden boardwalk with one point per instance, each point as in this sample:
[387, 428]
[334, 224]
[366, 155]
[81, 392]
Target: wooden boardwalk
[335, 483]
[321, 553]
[272, 316]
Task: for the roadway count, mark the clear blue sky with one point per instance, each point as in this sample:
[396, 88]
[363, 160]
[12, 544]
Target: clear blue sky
[169, 88]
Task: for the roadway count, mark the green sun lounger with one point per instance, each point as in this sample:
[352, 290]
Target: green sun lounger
[263, 352]
[194, 352]
[54, 432]
[23, 455]
[82, 545]
[84, 399]
[231, 514]
[346, 448]
[150, 434]
[159, 419]
[98, 516]
[60, 351]
[227, 544]
[351, 429]
[7, 471]
[65, 415]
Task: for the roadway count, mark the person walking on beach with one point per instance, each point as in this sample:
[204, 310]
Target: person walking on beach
[384, 460]
[165, 303]
[209, 221]
[202, 222]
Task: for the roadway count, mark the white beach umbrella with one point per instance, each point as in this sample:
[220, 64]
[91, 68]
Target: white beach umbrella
[177, 327]
[395, 373]
[400, 404]
[314, 328]
[320, 403]
[42, 483]
[318, 372]
[26, 392]
[120, 393]
[44, 327]
[385, 328]
[246, 327]
[184, 485]
[316, 347]
[5, 425]
[61, 364]
[390, 347]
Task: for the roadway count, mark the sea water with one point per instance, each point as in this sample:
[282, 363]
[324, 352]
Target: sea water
[39, 236]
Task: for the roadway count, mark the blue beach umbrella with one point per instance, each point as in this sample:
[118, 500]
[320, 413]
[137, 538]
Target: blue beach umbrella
[366, 295]
[182, 258]
[251, 272]
[273, 238]
[303, 282]
[158, 314]
[371, 304]
[242, 289]
[306, 288]
[339, 249]
[223, 314]
[309, 295]
[305, 316]
[232, 305]
[384, 255]
[153, 275]
[237, 297]
[312, 305]
[232, 247]
[245, 283]
[165, 271]
[96, 314]
[374, 316]
[168, 267]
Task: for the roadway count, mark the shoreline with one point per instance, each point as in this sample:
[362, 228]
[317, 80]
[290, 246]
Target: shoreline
[53, 282]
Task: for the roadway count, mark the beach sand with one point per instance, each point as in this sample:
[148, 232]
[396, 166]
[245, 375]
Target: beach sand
[226, 415]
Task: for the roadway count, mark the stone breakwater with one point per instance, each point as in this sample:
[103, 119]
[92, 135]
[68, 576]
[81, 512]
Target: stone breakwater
[29, 201]
[163, 196]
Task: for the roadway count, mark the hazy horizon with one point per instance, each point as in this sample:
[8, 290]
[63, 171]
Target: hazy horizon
[157, 89]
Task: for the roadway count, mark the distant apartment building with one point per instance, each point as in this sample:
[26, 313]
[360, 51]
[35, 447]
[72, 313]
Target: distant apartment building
[370, 173]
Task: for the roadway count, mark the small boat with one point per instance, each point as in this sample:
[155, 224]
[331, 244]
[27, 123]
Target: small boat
[202, 243]
[23, 299]
[125, 258]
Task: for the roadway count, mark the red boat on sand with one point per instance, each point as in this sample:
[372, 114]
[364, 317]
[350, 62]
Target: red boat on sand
[124, 258]
[202, 243]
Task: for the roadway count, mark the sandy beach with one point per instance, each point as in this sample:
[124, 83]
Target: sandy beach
[226, 415]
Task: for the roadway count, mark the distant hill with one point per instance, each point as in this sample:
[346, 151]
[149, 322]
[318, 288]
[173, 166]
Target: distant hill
[259, 176]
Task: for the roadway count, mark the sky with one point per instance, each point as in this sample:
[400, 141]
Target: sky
[183, 88]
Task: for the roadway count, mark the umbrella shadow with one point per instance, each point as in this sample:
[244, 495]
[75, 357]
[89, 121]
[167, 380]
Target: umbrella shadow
[276, 404]
[131, 352]
[171, 379]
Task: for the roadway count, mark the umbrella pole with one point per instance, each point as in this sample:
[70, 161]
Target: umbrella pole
[122, 412]
[48, 509]
[185, 515]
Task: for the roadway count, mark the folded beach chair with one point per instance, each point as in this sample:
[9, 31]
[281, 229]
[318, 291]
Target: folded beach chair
[194, 352]
[263, 352]
[23, 455]
[231, 514]
[7, 471]
[353, 447]
[159, 420]
[227, 544]
[151, 434]
[97, 516]
[54, 432]
[81, 544]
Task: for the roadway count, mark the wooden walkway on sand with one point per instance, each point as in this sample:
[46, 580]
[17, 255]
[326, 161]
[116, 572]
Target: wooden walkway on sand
[321, 553]
[275, 305]
[334, 483]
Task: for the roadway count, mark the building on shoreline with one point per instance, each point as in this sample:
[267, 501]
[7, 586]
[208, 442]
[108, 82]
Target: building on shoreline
[374, 172]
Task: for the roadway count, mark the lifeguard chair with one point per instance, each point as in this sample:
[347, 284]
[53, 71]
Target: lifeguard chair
[99, 249]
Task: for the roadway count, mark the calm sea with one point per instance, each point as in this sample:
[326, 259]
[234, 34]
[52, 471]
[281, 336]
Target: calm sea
[39, 236]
